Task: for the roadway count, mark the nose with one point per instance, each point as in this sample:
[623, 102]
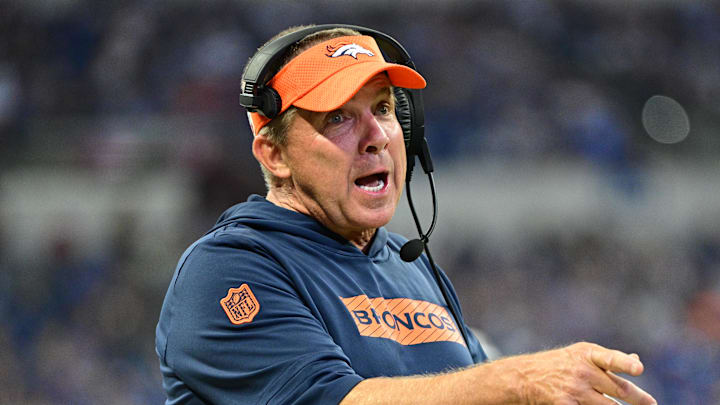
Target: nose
[374, 138]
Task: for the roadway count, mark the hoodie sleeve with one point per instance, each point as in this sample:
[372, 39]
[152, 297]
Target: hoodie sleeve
[234, 330]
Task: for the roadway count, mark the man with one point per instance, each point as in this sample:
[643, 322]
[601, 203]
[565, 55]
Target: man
[301, 297]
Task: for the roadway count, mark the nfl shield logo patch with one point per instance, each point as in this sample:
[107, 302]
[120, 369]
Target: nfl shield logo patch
[240, 305]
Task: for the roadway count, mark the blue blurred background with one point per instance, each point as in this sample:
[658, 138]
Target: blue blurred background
[121, 141]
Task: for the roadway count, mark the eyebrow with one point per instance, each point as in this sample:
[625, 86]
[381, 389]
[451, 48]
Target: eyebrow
[387, 92]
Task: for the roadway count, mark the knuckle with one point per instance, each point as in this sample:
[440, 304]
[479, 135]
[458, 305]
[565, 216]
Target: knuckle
[610, 360]
[579, 349]
[582, 373]
[580, 346]
[588, 349]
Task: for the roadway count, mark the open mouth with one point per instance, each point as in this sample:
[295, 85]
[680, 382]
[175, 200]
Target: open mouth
[373, 183]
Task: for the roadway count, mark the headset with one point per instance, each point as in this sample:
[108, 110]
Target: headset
[260, 98]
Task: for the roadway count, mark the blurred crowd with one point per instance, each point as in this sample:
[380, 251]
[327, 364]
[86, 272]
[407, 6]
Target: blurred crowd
[127, 89]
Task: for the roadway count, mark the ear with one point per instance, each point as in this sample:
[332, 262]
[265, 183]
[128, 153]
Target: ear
[271, 156]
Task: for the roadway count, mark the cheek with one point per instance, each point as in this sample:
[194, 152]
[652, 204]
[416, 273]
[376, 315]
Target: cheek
[399, 153]
[325, 170]
[344, 146]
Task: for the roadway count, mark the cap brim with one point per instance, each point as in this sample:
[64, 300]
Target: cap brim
[339, 88]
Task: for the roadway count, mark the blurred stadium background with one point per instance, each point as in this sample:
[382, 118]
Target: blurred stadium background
[121, 141]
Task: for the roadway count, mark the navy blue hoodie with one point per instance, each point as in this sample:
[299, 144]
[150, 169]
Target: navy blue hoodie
[271, 307]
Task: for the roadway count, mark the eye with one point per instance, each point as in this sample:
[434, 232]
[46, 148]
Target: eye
[335, 117]
[384, 109]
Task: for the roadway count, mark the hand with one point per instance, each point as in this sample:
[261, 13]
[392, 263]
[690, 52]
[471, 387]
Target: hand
[580, 374]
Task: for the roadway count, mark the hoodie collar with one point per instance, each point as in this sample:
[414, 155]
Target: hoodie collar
[259, 213]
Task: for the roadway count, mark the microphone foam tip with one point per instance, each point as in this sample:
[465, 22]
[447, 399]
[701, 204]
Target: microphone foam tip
[412, 250]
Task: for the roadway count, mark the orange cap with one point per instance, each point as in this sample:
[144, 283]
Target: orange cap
[329, 74]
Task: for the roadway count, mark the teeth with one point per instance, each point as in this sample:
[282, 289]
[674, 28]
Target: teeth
[381, 184]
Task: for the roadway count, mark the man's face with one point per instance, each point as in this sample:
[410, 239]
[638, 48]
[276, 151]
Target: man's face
[348, 166]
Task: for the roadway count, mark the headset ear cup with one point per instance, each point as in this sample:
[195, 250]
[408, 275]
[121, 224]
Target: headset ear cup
[271, 102]
[404, 116]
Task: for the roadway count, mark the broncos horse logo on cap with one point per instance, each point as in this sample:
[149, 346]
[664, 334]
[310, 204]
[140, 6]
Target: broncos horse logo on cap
[348, 49]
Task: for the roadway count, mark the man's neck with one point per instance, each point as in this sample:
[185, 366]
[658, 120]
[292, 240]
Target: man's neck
[284, 198]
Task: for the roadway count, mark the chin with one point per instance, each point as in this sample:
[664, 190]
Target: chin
[376, 218]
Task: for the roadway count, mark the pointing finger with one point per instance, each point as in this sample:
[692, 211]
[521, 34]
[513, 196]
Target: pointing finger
[617, 361]
[629, 392]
